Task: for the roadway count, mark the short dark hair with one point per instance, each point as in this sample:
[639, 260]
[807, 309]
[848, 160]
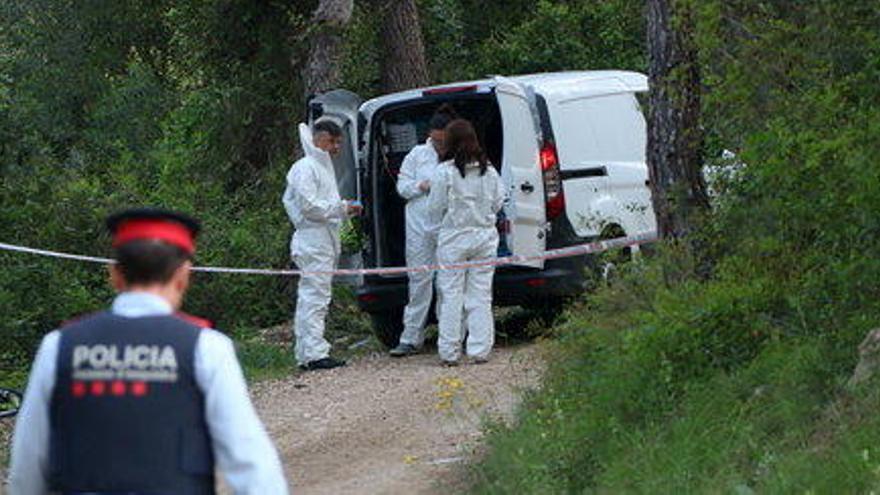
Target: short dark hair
[442, 117]
[327, 126]
[149, 261]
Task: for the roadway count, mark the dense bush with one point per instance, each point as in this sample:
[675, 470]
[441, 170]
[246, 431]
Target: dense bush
[669, 383]
[63, 208]
[125, 129]
[567, 36]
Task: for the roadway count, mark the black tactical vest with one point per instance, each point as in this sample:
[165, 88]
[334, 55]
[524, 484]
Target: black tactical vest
[126, 413]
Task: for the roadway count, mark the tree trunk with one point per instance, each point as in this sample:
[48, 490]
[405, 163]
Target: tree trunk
[678, 189]
[323, 70]
[403, 61]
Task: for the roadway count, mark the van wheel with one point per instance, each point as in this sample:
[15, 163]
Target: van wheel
[388, 325]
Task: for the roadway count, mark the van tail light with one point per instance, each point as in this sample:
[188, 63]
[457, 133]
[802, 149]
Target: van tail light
[368, 298]
[536, 282]
[553, 194]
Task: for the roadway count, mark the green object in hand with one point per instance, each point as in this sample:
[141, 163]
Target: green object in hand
[351, 236]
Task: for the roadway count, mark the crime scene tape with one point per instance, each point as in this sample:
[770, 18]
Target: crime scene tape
[566, 252]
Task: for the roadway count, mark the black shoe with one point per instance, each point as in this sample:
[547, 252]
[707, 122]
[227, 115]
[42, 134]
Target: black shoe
[404, 350]
[327, 363]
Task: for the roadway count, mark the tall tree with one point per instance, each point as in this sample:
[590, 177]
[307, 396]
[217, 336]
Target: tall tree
[323, 69]
[403, 61]
[678, 189]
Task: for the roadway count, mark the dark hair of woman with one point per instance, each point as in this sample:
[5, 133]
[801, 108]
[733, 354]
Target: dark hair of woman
[463, 147]
[442, 117]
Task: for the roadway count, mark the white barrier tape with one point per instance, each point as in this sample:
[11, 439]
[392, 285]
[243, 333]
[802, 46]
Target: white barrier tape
[53, 254]
[566, 252]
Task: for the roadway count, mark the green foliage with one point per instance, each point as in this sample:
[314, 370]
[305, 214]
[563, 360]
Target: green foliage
[671, 384]
[115, 104]
[130, 113]
[351, 235]
[700, 387]
[245, 55]
[471, 39]
[567, 36]
[360, 65]
[445, 30]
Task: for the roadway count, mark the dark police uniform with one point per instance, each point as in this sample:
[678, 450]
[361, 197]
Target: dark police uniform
[116, 379]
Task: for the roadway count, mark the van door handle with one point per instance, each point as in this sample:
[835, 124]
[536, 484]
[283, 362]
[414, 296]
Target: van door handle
[527, 187]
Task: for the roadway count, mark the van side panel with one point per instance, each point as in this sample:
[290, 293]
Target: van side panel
[601, 142]
[594, 131]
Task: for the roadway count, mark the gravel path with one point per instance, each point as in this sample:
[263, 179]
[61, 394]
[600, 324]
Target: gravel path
[383, 425]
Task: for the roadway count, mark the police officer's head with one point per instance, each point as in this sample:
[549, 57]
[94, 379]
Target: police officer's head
[327, 136]
[153, 250]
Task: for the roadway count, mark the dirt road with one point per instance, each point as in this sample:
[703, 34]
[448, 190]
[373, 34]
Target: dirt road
[390, 426]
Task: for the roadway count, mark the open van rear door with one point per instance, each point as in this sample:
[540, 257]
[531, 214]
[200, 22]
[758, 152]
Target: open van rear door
[341, 106]
[521, 172]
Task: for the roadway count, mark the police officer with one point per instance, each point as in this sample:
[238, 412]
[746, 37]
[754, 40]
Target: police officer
[141, 399]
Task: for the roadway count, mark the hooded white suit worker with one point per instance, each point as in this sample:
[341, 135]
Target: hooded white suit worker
[314, 206]
[419, 166]
[466, 209]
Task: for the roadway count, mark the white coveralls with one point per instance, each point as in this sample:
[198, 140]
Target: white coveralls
[468, 207]
[313, 204]
[421, 164]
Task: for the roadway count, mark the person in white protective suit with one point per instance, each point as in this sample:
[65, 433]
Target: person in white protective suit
[314, 206]
[465, 199]
[413, 185]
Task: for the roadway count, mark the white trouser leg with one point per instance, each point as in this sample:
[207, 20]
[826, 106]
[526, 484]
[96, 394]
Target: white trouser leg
[312, 300]
[420, 250]
[478, 304]
[450, 286]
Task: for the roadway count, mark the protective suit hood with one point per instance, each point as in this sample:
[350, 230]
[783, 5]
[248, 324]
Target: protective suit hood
[307, 141]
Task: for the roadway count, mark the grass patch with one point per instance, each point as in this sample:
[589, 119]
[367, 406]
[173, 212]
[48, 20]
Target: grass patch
[268, 353]
[262, 360]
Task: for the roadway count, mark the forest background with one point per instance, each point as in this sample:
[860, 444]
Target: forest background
[725, 369]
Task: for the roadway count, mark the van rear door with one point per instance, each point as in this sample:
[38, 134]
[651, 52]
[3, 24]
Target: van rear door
[341, 106]
[521, 172]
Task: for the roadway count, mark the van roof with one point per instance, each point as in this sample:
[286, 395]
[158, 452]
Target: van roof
[562, 85]
[586, 83]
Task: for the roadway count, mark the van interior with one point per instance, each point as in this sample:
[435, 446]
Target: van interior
[396, 130]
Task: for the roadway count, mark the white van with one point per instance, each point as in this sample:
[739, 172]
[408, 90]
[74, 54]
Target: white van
[569, 145]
